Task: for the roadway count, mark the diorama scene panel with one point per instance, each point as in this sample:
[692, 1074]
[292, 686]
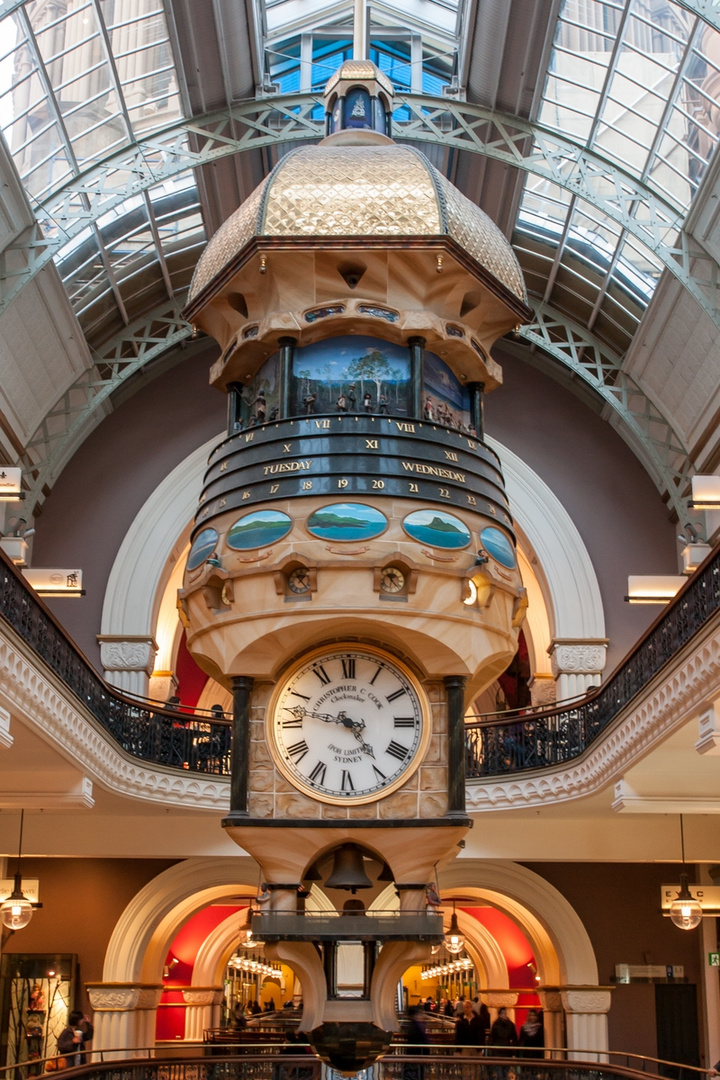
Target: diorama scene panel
[445, 400]
[351, 374]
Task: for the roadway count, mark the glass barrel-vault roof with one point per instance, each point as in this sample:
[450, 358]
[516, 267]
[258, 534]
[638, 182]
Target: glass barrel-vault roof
[637, 82]
[80, 81]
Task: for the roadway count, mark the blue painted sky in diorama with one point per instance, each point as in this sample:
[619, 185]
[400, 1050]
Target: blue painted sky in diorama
[257, 529]
[351, 366]
[497, 544]
[202, 548]
[444, 387]
[346, 521]
[437, 528]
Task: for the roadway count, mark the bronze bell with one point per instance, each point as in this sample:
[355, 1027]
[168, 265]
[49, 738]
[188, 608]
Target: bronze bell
[386, 873]
[313, 873]
[348, 871]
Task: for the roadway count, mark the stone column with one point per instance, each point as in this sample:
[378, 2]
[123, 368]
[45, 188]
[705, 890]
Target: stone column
[128, 662]
[586, 1012]
[200, 1010]
[553, 1020]
[124, 1016]
[577, 665]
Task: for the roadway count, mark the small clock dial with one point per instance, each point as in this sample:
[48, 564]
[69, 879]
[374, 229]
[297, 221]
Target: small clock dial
[391, 579]
[348, 726]
[299, 580]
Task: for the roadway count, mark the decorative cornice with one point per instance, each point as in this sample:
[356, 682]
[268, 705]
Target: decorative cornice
[45, 705]
[673, 698]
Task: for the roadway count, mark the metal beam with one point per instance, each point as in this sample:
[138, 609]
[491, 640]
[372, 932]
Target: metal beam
[655, 441]
[652, 220]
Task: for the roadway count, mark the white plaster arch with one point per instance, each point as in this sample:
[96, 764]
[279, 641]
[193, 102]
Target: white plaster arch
[160, 530]
[576, 609]
[560, 942]
[138, 944]
[141, 565]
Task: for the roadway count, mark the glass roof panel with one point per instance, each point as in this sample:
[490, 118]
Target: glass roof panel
[76, 80]
[650, 103]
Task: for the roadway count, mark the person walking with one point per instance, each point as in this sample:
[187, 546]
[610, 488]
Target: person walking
[469, 1032]
[503, 1036]
[532, 1036]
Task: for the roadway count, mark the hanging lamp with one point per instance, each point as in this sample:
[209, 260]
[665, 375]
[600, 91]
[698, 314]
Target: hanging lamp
[685, 911]
[454, 941]
[16, 911]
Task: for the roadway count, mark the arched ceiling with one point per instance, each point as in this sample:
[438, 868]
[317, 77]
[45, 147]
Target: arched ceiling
[133, 128]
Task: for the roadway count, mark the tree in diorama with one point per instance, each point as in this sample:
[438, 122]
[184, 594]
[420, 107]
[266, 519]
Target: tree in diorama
[372, 367]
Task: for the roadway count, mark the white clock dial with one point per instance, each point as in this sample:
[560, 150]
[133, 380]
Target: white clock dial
[348, 725]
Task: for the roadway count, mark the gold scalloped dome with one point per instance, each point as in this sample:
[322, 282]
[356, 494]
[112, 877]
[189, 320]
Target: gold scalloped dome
[358, 191]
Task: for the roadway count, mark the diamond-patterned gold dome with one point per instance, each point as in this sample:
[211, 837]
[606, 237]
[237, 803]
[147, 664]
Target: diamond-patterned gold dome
[356, 191]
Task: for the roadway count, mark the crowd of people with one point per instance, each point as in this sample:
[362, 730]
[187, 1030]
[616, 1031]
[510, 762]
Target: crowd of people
[474, 1028]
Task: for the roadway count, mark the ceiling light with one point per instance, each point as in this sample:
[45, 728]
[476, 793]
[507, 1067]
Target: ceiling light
[705, 493]
[653, 588]
[454, 941]
[685, 911]
[16, 910]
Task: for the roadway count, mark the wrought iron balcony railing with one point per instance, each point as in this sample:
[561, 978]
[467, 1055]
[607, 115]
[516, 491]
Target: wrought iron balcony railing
[494, 747]
[538, 739]
[179, 738]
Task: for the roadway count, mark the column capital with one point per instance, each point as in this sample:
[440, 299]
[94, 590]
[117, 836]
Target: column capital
[587, 999]
[123, 997]
[202, 995]
[578, 656]
[127, 652]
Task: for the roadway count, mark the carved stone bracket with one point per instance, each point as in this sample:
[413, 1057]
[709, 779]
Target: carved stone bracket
[123, 997]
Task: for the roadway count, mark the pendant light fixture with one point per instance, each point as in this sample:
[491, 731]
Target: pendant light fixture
[17, 911]
[454, 941]
[685, 910]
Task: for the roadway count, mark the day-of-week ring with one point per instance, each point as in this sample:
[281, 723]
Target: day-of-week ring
[286, 466]
[432, 470]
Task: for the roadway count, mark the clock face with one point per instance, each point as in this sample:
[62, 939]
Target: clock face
[348, 726]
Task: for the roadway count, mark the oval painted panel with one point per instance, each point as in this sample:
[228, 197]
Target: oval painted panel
[437, 528]
[497, 544]
[258, 529]
[202, 548]
[346, 521]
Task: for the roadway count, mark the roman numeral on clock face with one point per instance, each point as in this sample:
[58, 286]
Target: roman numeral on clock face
[298, 751]
[397, 694]
[397, 751]
[318, 773]
[347, 784]
[403, 721]
[348, 666]
[295, 722]
[322, 674]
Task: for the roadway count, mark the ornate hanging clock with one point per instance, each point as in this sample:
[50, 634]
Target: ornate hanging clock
[348, 725]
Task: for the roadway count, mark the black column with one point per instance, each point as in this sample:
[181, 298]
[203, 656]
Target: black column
[240, 765]
[234, 405]
[417, 354]
[477, 407]
[287, 350]
[455, 689]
